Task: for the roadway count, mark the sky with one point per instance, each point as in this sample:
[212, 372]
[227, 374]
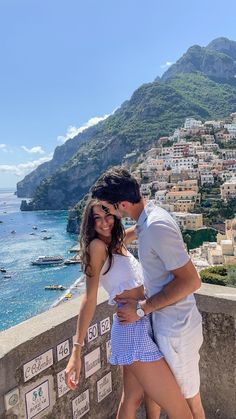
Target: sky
[67, 64]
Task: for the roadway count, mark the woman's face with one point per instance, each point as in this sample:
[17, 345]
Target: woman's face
[103, 222]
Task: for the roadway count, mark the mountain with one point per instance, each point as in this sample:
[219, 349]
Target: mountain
[201, 84]
[27, 186]
[216, 61]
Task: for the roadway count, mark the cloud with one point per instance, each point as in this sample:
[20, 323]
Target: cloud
[23, 169]
[73, 131]
[166, 65]
[3, 147]
[34, 150]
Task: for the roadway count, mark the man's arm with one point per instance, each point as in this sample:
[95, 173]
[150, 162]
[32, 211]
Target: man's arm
[130, 235]
[186, 281]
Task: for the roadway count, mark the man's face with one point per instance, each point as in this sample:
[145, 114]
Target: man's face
[113, 209]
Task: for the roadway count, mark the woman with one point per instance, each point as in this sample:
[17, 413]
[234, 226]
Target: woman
[105, 260]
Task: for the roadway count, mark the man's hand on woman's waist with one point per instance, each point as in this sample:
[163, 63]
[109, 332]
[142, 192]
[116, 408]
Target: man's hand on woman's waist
[127, 313]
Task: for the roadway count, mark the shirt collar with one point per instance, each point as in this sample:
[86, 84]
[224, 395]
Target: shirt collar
[144, 214]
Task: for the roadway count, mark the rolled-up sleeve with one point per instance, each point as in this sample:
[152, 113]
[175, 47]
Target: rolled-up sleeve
[166, 241]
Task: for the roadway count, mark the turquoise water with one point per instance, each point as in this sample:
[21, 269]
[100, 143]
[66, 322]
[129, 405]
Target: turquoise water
[23, 295]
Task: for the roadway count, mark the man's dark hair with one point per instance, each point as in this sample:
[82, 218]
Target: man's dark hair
[116, 185]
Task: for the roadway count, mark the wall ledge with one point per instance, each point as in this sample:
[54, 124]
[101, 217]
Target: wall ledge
[216, 299]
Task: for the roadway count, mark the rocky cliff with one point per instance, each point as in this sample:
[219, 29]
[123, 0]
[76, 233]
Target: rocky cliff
[216, 61]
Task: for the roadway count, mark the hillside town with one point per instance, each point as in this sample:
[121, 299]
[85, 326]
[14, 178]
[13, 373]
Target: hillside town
[193, 169]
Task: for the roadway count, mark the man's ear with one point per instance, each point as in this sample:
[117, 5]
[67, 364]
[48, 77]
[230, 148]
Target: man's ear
[124, 204]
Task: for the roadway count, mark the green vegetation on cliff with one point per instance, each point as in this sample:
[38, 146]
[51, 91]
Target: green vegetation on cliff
[196, 238]
[220, 275]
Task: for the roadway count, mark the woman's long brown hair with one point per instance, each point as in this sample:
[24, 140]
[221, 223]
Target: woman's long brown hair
[88, 233]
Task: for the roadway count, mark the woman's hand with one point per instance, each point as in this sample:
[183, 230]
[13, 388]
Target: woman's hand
[72, 372]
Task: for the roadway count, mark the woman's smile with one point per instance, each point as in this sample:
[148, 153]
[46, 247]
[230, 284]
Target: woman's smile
[103, 222]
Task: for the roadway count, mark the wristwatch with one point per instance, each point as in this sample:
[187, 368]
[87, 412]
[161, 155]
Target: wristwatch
[139, 310]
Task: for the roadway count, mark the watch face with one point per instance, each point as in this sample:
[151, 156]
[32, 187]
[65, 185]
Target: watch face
[140, 312]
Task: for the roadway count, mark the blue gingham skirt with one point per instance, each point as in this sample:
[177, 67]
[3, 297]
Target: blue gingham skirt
[133, 342]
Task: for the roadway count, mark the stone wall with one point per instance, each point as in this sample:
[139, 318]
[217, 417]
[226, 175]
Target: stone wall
[218, 354]
[33, 356]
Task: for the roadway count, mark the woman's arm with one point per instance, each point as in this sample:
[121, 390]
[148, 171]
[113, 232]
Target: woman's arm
[87, 309]
[130, 235]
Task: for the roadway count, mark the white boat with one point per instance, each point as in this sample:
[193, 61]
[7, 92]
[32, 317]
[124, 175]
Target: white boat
[48, 260]
[55, 287]
[72, 261]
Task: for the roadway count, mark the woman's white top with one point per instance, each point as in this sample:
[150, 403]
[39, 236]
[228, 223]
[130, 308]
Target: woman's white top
[125, 273]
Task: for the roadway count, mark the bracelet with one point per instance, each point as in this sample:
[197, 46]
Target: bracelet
[78, 344]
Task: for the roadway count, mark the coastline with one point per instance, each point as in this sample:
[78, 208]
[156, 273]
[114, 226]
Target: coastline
[76, 286]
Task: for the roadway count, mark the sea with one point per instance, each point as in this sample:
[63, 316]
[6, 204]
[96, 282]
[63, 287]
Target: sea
[22, 287]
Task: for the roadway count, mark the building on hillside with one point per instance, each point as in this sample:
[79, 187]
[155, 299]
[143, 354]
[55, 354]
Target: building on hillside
[167, 207]
[192, 123]
[223, 251]
[145, 189]
[160, 197]
[214, 124]
[224, 137]
[211, 147]
[179, 176]
[180, 149]
[225, 175]
[231, 128]
[208, 138]
[185, 185]
[227, 154]
[228, 189]
[188, 221]
[189, 195]
[183, 205]
[181, 163]
[229, 165]
[207, 178]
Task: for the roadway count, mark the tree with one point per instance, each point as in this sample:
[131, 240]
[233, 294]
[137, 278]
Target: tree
[187, 240]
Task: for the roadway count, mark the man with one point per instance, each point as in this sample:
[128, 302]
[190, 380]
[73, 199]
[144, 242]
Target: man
[169, 279]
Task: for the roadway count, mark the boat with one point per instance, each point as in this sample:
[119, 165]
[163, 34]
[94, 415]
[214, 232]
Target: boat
[44, 230]
[46, 237]
[3, 270]
[6, 276]
[35, 228]
[48, 260]
[75, 249]
[55, 287]
[13, 232]
[72, 261]
[32, 234]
